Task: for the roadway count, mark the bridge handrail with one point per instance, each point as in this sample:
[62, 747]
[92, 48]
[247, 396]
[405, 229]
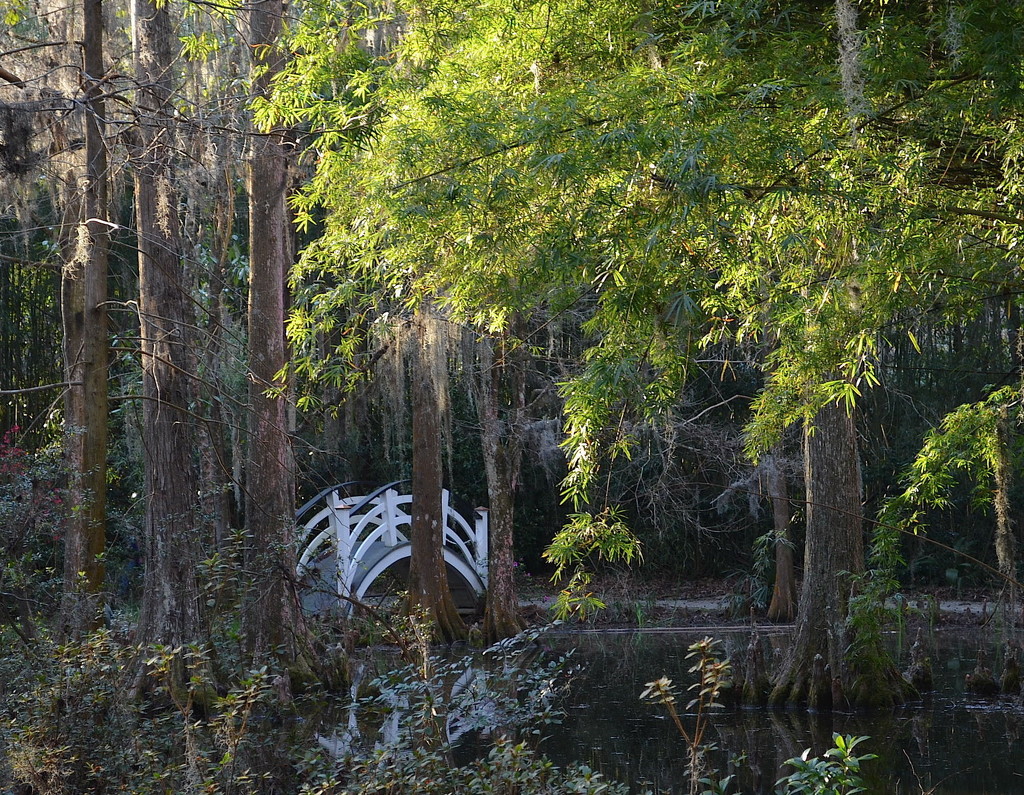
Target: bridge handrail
[313, 502]
[375, 494]
[326, 510]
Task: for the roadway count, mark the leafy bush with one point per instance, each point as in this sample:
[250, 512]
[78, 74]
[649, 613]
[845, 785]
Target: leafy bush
[100, 715]
[73, 727]
[835, 773]
[97, 715]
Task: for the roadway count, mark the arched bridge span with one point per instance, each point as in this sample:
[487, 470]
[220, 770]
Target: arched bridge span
[352, 538]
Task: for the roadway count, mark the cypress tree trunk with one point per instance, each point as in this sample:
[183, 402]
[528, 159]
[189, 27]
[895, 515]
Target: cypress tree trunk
[783, 604]
[170, 612]
[818, 672]
[428, 575]
[83, 305]
[273, 622]
[502, 455]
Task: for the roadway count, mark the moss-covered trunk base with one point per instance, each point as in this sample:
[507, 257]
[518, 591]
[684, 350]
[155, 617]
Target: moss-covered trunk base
[870, 683]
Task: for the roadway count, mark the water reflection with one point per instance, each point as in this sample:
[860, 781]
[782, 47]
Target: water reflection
[948, 744]
[457, 700]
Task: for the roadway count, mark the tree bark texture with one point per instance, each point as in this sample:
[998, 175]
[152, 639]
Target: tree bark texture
[83, 299]
[273, 622]
[171, 603]
[428, 575]
[819, 673]
[502, 456]
[783, 605]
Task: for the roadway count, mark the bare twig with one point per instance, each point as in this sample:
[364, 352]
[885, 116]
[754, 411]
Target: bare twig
[40, 388]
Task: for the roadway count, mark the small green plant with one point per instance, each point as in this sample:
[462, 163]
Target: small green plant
[642, 610]
[835, 773]
[753, 588]
[714, 673]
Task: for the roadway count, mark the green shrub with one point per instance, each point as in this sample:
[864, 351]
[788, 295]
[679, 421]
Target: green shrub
[74, 727]
[835, 773]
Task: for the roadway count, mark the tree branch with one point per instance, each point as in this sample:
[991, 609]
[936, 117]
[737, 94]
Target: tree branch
[11, 78]
[40, 388]
[36, 46]
[1006, 218]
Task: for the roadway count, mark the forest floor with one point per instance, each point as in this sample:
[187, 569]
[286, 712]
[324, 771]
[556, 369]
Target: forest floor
[722, 603]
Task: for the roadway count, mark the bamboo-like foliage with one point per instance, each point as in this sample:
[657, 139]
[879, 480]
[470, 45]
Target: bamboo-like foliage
[692, 175]
[817, 183]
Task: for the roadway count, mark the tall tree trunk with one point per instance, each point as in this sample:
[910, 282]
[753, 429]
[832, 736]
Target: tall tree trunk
[783, 604]
[273, 621]
[216, 453]
[819, 668]
[170, 612]
[428, 575]
[502, 456]
[1006, 541]
[83, 298]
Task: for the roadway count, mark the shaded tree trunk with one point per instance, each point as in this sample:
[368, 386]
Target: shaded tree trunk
[216, 454]
[820, 670]
[170, 612]
[502, 451]
[273, 622]
[83, 300]
[428, 575]
[783, 604]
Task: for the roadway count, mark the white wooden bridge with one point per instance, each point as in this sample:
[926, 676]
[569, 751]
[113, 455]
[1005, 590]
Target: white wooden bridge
[351, 540]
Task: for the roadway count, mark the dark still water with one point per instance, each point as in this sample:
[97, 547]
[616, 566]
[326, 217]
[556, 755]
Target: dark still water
[950, 744]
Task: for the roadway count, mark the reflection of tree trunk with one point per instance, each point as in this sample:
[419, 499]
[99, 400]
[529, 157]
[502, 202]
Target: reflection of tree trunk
[787, 737]
[170, 612]
[1006, 543]
[502, 455]
[428, 577]
[766, 748]
[783, 604]
[83, 299]
[858, 669]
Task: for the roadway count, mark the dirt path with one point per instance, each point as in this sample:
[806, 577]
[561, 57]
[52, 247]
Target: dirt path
[724, 609]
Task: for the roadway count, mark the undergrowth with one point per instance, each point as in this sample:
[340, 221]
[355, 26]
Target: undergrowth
[75, 719]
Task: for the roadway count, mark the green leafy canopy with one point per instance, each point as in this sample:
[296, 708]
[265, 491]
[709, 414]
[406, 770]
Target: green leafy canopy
[683, 177]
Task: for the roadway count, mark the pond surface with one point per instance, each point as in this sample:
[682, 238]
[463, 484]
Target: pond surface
[948, 744]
